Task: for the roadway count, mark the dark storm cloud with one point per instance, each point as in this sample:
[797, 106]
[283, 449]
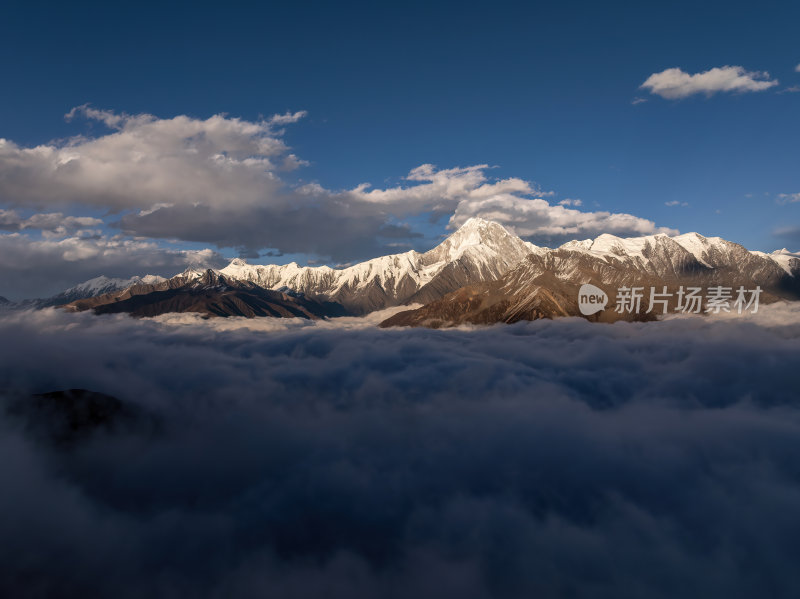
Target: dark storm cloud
[539, 459]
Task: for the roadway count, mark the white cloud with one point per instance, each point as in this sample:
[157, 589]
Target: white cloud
[442, 190]
[632, 456]
[788, 198]
[222, 181]
[797, 68]
[538, 220]
[676, 203]
[512, 202]
[146, 161]
[195, 321]
[42, 267]
[50, 223]
[637, 100]
[676, 84]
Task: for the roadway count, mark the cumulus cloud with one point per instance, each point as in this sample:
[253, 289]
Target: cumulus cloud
[541, 222]
[349, 224]
[513, 202]
[145, 161]
[675, 83]
[223, 181]
[32, 267]
[52, 223]
[540, 459]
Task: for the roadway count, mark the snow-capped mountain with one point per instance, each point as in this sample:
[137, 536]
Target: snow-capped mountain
[91, 288]
[100, 285]
[676, 256]
[210, 294]
[515, 277]
[790, 261]
[546, 283]
[480, 250]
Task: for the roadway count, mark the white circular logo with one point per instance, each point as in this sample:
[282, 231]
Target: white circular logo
[591, 299]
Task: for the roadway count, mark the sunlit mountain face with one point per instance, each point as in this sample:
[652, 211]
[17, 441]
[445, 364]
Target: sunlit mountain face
[501, 277]
[354, 300]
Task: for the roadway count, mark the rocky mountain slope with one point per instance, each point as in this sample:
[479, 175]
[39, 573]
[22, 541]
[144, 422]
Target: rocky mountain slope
[481, 273]
[97, 286]
[478, 251]
[546, 283]
[211, 294]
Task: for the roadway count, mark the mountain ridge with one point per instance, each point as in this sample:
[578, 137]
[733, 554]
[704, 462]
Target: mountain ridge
[479, 252]
[546, 284]
[211, 294]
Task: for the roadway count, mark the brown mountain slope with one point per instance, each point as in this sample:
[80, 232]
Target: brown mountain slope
[211, 294]
[547, 285]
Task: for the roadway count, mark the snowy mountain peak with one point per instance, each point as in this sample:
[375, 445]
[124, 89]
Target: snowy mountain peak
[708, 251]
[481, 227]
[192, 272]
[476, 222]
[238, 262]
[478, 232]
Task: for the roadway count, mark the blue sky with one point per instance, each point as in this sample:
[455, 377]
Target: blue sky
[542, 93]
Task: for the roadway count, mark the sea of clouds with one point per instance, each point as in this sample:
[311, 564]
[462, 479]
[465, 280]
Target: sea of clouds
[298, 459]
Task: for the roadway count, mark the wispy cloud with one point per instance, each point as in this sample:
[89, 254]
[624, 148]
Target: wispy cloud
[675, 83]
[787, 198]
[676, 203]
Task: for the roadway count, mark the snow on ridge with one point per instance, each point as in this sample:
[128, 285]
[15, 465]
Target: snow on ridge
[485, 241]
[788, 261]
[104, 284]
[484, 244]
[607, 245]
